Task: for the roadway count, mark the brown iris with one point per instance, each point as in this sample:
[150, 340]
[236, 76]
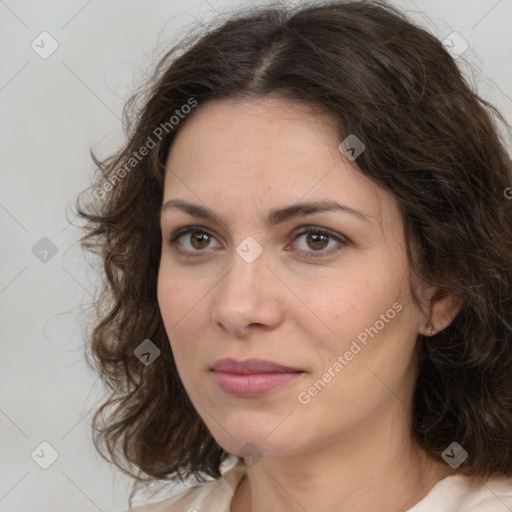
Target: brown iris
[203, 240]
[314, 241]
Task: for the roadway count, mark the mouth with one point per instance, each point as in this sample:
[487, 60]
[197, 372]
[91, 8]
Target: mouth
[252, 377]
[253, 365]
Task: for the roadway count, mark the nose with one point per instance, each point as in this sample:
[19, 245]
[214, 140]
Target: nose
[247, 296]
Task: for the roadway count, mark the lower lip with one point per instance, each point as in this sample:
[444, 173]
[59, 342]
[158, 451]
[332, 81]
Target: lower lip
[254, 384]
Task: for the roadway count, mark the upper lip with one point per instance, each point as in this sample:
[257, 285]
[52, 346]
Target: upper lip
[251, 366]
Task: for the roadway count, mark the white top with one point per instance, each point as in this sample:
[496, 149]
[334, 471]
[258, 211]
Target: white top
[451, 494]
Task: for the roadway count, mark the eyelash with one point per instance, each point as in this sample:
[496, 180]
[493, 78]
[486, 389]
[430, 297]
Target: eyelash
[310, 254]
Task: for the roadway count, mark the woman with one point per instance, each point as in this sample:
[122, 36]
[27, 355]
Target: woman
[308, 261]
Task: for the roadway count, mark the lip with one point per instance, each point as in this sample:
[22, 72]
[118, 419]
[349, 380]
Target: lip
[252, 365]
[251, 377]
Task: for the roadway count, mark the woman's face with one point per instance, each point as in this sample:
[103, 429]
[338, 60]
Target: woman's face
[334, 306]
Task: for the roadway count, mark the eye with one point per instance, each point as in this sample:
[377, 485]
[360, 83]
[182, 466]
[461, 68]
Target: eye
[198, 239]
[318, 240]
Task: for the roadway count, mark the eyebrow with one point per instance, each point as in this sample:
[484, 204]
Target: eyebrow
[274, 216]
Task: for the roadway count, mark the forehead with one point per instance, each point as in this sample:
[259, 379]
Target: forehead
[224, 127]
[266, 150]
[265, 138]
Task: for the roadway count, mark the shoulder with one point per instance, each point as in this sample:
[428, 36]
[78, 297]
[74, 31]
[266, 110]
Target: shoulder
[492, 496]
[214, 495]
[456, 493]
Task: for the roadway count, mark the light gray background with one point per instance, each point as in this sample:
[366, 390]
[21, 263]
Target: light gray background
[52, 110]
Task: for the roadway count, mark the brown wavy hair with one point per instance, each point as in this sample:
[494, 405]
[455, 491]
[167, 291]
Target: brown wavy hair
[431, 142]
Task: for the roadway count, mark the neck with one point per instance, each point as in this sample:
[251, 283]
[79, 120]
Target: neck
[373, 469]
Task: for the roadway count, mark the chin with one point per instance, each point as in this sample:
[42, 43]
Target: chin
[257, 443]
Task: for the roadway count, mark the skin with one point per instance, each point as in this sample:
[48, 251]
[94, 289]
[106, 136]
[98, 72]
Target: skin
[349, 447]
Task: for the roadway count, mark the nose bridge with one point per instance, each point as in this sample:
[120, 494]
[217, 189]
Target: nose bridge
[248, 267]
[244, 296]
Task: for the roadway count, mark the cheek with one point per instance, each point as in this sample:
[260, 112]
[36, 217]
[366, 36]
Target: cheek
[347, 304]
[183, 309]
[362, 314]
[180, 294]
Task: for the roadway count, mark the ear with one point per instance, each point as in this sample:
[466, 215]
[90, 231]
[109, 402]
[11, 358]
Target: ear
[444, 308]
